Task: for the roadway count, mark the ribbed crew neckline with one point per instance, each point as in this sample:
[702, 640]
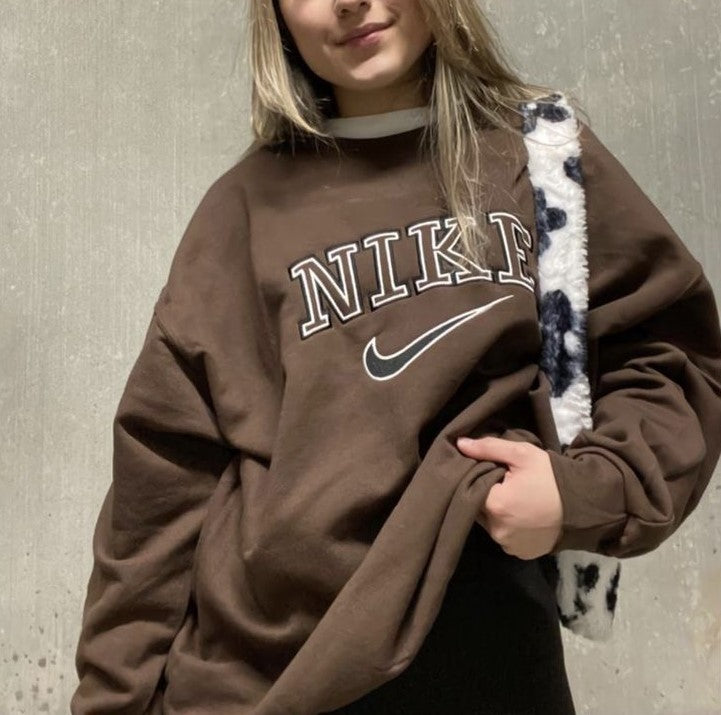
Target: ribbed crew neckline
[384, 124]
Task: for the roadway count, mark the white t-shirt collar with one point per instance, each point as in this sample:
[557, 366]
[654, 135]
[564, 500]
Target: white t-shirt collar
[378, 125]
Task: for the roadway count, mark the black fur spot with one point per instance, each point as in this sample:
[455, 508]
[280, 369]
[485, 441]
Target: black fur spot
[557, 317]
[579, 606]
[612, 590]
[567, 620]
[552, 112]
[587, 577]
[544, 107]
[572, 167]
[548, 218]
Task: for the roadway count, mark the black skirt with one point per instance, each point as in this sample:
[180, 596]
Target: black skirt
[495, 647]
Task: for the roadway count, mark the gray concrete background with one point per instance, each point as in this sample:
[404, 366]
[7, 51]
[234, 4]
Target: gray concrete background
[116, 117]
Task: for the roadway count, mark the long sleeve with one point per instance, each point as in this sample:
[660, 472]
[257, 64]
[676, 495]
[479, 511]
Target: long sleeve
[654, 361]
[168, 455]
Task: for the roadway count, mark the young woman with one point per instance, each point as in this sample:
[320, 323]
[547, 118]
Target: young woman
[292, 524]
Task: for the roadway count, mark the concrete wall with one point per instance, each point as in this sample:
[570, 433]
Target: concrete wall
[116, 117]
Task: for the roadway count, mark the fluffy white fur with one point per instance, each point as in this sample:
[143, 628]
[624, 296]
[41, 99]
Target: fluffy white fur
[587, 582]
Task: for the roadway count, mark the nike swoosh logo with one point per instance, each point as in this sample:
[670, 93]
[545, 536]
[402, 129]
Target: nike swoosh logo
[384, 367]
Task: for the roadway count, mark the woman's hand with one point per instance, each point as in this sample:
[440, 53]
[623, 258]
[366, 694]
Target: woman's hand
[524, 512]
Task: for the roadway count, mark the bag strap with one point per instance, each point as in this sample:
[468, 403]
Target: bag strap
[585, 583]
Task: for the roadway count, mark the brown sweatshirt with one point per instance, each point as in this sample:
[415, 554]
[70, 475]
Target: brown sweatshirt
[287, 504]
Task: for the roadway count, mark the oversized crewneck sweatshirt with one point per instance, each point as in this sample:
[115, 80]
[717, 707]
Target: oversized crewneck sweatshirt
[287, 504]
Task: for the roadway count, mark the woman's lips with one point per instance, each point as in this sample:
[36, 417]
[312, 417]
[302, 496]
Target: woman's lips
[367, 39]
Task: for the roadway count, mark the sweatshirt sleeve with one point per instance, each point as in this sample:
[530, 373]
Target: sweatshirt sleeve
[168, 455]
[654, 362]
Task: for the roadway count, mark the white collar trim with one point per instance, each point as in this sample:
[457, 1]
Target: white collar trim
[378, 125]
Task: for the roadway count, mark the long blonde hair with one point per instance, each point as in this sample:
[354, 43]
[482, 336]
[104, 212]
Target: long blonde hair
[466, 80]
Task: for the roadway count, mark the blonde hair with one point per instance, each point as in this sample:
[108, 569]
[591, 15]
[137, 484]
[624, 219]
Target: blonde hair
[466, 80]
